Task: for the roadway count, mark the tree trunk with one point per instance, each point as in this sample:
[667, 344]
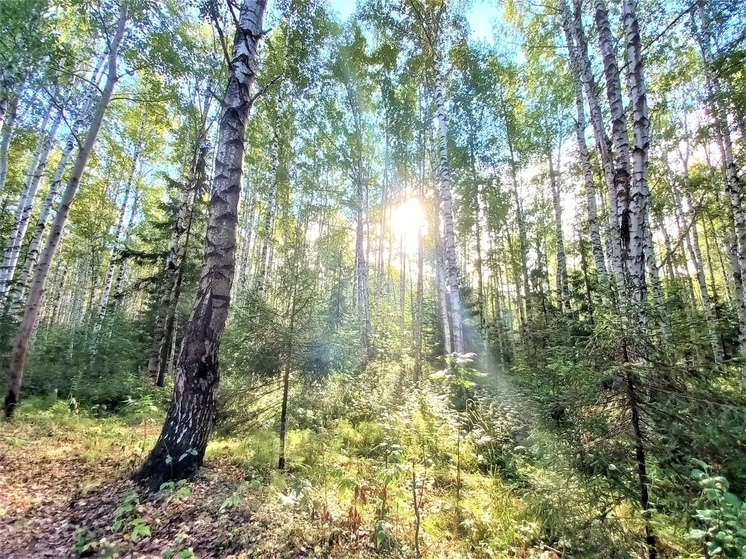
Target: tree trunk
[584, 155]
[449, 239]
[164, 338]
[249, 227]
[33, 305]
[638, 189]
[118, 232]
[271, 202]
[26, 202]
[440, 279]
[32, 254]
[180, 449]
[7, 135]
[563, 294]
[732, 180]
[581, 66]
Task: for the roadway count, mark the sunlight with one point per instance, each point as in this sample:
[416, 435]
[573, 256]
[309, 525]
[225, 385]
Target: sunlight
[406, 222]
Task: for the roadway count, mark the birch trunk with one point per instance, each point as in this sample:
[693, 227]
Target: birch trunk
[32, 254]
[12, 248]
[180, 449]
[732, 180]
[33, 305]
[584, 155]
[113, 256]
[271, 202]
[249, 226]
[440, 279]
[639, 230]
[7, 131]
[695, 256]
[449, 239]
[165, 328]
[116, 288]
[563, 294]
[638, 189]
[581, 66]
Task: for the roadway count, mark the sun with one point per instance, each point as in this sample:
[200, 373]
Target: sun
[407, 220]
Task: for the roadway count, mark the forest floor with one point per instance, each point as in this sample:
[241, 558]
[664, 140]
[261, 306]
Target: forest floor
[65, 492]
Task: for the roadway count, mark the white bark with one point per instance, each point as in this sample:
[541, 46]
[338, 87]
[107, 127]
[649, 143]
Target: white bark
[23, 211]
[7, 134]
[563, 294]
[576, 63]
[271, 207]
[33, 305]
[638, 189]
[449, 239]
[114, 253]
[46, 211]
[732, 180]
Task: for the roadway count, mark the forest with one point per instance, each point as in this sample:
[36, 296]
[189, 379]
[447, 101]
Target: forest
[384, 278]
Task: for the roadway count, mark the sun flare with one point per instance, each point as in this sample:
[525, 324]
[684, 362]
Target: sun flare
[407, 220]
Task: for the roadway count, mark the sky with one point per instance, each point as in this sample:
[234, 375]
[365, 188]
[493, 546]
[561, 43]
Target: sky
[480, 16]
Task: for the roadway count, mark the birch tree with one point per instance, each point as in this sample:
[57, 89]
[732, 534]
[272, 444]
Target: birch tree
[430, 19]
[180, 449]
[33, 305]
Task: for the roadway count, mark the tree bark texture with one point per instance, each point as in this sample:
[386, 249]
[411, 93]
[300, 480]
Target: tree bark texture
[180, 449]
[33, 306]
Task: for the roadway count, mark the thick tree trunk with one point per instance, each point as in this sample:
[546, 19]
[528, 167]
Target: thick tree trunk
[33, 305]
[638, 180]
[639, 230]
[180, 449]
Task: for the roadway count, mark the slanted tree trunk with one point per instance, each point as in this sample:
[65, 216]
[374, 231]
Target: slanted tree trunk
[7, 135]
[33, 305]
[26, 202]
[581, 66]
[117, 286]
[180, 449]
[103, 301]
[32, 254]
[576, 63]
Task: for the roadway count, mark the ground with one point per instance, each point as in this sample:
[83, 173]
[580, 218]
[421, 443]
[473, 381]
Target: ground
[65, 491]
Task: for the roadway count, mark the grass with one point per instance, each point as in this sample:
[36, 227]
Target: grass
[349, 491]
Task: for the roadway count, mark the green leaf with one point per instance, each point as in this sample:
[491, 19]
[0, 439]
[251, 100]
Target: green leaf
[140, 530]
